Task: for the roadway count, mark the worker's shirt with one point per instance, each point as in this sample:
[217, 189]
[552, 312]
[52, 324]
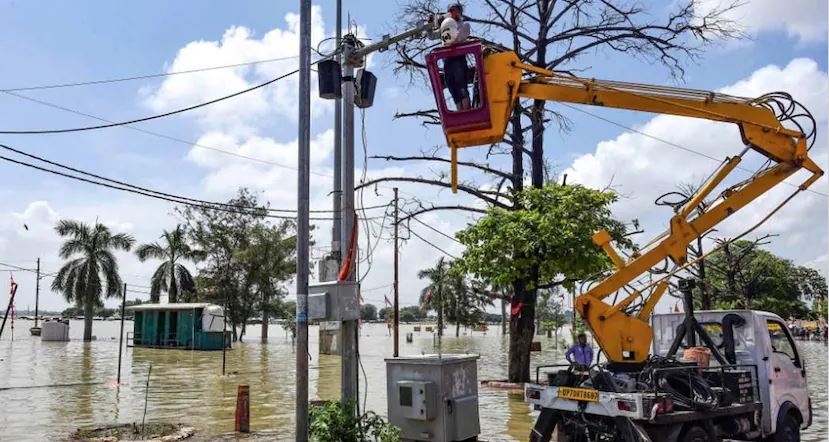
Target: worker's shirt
[581, 354]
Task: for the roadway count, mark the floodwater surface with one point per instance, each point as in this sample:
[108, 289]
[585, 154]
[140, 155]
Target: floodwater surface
[49, 389]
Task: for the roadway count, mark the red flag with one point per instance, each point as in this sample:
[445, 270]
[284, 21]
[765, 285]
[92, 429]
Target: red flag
[426, 298]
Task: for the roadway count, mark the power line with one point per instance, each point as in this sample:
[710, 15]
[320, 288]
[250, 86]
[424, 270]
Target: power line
[672, 144]
[241, 211]
[144, 77]
[434, 229]
[431, 244]
[162, 135]
[198, 201]
[152, 117]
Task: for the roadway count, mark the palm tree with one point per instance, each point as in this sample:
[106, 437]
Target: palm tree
[171, 276]
[435, 294]
[84, 278]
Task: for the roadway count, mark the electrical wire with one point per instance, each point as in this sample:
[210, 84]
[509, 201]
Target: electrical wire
[254, 211]
[143, 119]
[670, 143]
[434, 229]
[144, 77]
[110, 180]
[433, 245]
[167, 137]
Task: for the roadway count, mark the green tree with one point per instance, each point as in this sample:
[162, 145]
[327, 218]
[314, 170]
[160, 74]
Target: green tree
[92, 270]
[234, 270]
[410, 314]
[550, 312]
[546, 244]
[385, 312]
[287, 313]
[268, 262]
[368, 312]
[436, 293]
[171, 276]
[745, 276]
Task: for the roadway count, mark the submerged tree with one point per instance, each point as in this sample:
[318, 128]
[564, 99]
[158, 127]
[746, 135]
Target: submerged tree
[434, 295]
[545, 245]
[92, 270]
[171, 276]
[247, 257]
[744, 275]
[554, 35]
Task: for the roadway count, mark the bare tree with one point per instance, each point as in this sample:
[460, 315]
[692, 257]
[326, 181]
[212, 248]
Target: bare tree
[557, 35]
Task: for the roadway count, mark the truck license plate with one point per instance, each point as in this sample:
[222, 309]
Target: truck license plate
[578, 394]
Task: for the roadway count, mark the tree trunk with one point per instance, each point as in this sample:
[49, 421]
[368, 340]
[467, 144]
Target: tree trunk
[503, 316]
[440, 312]
[522, 329]
[88, 312]
[172, 294]
[457, 328]
[265, 319]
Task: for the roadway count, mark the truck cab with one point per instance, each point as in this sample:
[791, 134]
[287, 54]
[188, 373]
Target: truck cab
[762, 340]
[765, 378]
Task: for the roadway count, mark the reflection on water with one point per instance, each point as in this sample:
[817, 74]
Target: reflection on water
[188, 386]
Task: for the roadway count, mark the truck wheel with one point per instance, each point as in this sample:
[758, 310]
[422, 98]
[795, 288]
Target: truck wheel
[695, 434]
[788, 430]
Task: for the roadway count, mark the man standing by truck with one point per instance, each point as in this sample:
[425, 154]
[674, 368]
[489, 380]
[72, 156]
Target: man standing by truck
[580, 354]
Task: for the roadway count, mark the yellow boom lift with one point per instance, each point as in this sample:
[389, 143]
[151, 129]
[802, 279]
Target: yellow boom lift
[621, 329]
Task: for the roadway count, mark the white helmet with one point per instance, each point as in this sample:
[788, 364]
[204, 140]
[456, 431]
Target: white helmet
[448, 30]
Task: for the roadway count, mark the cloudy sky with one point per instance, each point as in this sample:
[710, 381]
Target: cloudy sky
[251, 140]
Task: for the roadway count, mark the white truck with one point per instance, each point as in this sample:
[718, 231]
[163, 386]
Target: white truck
[760, 395]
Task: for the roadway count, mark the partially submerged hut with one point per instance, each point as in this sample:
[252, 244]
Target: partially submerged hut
[193, 326]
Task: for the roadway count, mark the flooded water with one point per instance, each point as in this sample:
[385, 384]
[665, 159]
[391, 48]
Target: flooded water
[187, 386]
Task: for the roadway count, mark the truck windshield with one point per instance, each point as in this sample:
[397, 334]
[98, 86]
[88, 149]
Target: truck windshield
[780, 340]
[714, 330]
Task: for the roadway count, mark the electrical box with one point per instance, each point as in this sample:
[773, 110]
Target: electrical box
[417, 399]
[434, 397]
[330, 79]
[334, 301]
[366, 83]
[329, 269]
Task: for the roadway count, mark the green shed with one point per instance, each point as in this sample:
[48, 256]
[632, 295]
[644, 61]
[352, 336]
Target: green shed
[192, 326]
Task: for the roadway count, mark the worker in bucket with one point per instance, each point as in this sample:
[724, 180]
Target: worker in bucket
[455, 30]
[580, 355]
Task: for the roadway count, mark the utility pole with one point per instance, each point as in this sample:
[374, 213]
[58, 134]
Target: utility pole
[337, 193]
[353, 57]
[348, 329]
[303, 213]
[121, 336]
[396, 277]
[37, 291]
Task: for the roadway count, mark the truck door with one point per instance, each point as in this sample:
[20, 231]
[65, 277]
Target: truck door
[787, 375]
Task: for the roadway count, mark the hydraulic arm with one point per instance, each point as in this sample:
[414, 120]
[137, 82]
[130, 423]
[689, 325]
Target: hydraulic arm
[621, 326]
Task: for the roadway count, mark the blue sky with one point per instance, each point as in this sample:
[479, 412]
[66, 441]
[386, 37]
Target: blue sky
[58, 42]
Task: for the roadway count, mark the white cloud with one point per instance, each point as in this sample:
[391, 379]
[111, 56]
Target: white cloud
[642, 168]
[252, 111]
[803, 19]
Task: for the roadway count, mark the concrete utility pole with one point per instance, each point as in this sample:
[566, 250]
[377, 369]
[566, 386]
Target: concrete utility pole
[348, 329]
[337, 193]
[396, 278]
[353, 57]
[302, 230]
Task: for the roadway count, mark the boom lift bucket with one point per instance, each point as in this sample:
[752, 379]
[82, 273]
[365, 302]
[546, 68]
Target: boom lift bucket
[492, 99]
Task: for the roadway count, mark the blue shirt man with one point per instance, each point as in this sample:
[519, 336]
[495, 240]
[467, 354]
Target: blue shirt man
[580, 353]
